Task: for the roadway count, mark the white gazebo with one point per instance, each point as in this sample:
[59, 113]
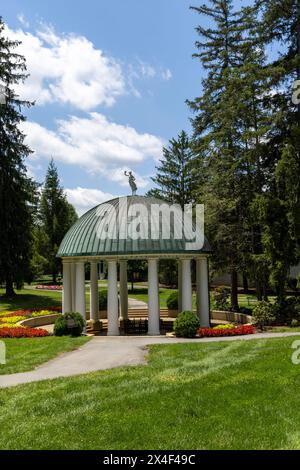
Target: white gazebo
[106, 233]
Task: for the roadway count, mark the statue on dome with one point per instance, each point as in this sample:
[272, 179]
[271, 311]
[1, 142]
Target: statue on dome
[132, 181]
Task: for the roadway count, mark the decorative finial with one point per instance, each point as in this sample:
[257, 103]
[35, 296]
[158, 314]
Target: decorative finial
[132, 181]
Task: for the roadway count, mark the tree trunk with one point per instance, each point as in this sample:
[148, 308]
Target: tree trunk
[234, 291]
[54, 278]
[259, 292]
[9, 288]
[245, 284]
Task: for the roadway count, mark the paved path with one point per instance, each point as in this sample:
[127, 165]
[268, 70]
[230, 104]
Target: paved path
[109, 352]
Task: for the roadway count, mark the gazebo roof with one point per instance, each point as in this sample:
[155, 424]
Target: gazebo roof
[88, 238]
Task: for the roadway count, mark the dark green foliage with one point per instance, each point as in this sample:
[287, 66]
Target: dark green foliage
[71, 323]
[17, 190]
[60, 326]
[103, 300]
[287, 308]
[177, 174]
[263, 314]
[168, 272]
[172, 301]
[221, 298]
[56, 216]
[186, 325]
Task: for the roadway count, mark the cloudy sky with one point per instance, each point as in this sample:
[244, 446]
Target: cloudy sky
[109, 79]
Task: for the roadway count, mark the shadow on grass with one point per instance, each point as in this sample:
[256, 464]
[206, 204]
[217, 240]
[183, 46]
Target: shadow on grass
[28, 301]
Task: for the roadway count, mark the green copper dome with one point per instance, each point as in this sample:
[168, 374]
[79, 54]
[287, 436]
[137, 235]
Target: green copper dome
[88, 236]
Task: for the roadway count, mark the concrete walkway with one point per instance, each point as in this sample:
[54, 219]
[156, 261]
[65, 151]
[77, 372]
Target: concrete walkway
[103, 353]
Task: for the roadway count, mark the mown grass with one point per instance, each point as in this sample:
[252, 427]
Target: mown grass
[25, 354]
[221, 395]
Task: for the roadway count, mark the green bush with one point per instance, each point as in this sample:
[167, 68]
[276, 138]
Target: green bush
[186, 325]
[71, 323]
[221, 298]
[294, 323]
[103, 300]
[263, 314]
[60, 327]
[287, 308]
[172, 301]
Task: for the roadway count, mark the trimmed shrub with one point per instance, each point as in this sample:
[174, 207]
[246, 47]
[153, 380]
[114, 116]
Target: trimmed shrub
[60, 327]
[103, 300]
[294, 323]
[263, 314]
[186, 325]
[172, 301]
[287, 308]
[71, 323]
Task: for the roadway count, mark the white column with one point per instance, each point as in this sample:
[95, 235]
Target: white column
[153, 295]
[94, 294]
[203, 292]
[67, 287]
[187, 298]
[179, 286]
[80, 305]
[73, 284]
[112, 300]
[123, 290]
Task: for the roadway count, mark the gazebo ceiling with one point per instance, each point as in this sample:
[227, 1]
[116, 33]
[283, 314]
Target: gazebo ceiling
[88, 236]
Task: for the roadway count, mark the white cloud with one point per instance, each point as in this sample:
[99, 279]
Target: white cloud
[67, 69]
[93, 143]
[21, 17]
[84, 199]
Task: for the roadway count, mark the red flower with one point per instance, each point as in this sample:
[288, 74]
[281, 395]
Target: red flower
[236, 331]
[22, 332]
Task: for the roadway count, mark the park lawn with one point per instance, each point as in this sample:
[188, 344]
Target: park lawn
[218, 395]
[25, 354]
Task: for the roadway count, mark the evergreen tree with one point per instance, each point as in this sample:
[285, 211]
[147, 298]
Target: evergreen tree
[17, 191]
[57, 215]
[217, 134]
[176, 176]
[281, 24]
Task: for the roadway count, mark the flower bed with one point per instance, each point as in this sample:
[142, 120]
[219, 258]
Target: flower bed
[22, 332]
[45, 287]
[234, 331]
[12, 319]
[29, 313]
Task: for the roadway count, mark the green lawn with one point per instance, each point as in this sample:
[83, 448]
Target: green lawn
[33, 298]
[26, 353]
[230, 395]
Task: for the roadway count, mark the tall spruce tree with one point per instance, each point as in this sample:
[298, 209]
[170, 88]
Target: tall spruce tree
[57, 215]
[17, 191]
[177, 175]
[280, 24]
[217, 134]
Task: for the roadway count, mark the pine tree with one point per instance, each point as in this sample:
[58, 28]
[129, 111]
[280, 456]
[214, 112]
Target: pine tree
[17, 191]
[57, 215]
[176, 176]
[217, 134]
[281, 24]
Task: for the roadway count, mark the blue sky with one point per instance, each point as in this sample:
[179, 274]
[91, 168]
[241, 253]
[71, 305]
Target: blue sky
[110, 79]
